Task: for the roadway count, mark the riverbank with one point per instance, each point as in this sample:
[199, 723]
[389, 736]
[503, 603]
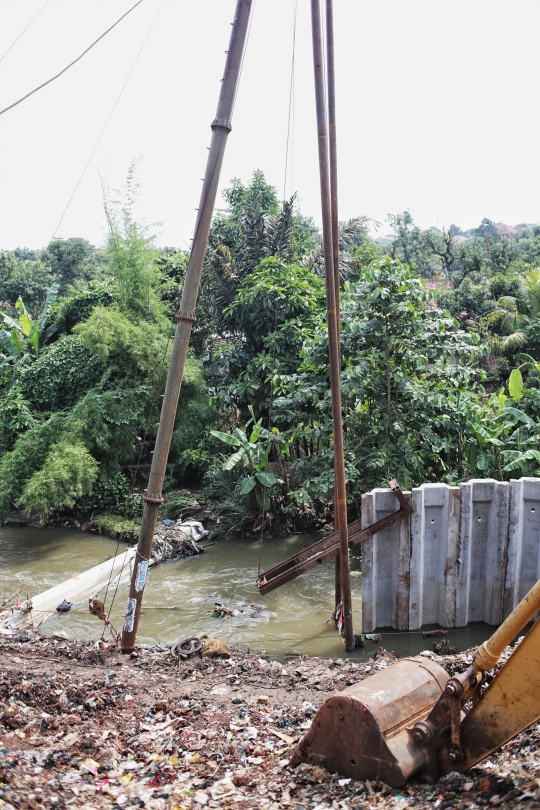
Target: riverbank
[87, 728]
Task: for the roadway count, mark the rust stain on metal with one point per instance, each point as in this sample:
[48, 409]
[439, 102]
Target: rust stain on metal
[328, 547]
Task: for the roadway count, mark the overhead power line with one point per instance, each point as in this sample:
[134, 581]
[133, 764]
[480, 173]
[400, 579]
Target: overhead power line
[24, 29]
[52, 79]
[100, 136]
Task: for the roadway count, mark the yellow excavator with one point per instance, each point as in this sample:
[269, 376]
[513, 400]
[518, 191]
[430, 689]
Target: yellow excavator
[413, 719]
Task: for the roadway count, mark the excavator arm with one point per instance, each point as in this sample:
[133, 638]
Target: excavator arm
[511, 702]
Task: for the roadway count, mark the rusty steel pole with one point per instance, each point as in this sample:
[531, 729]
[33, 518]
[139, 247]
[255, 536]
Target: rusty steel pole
[332, 148]
[340, 497]
[185, 317]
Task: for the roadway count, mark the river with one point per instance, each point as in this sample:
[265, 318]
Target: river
[180, 596]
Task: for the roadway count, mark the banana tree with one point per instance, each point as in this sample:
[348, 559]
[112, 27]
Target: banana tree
[252, 453]
[26, 337]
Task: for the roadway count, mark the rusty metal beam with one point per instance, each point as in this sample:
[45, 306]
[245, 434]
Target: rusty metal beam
[332, 152]
[329, 547]
[340, 495]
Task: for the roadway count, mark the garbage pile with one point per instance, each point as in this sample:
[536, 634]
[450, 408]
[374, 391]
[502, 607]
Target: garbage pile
[174, 540]
[85, 728]
[246, 609]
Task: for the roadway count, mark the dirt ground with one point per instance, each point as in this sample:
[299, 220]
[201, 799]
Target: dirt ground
[88, 728]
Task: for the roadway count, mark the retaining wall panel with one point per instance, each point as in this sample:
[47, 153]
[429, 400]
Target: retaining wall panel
[385, 558]
[523, 556]
[467, 553]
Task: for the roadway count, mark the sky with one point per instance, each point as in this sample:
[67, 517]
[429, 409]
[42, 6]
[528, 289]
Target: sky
[437, 111]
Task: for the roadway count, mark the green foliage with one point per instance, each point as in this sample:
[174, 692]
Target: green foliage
[118, 527]
[67, 475]
[273, 313]
[72, 260]
[24, 277]
[515, 384]
[62, 374]
[236, 510]
[27, 456]
[15, 418]
[130, 349]
[195, 415]
[78, 305]
[26, 336]
[131, 253]
[107, 421]
[407, 380]
[252, 455]
[176, 503]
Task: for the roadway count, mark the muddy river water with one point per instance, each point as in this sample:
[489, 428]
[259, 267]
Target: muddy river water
[180, 596]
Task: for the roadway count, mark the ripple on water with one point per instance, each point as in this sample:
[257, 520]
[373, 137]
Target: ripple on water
[180, 596]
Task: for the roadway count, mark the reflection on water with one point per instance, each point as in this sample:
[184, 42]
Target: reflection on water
[180, 596]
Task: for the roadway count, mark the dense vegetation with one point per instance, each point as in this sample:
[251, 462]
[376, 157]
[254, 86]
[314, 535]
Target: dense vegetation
[440, 335]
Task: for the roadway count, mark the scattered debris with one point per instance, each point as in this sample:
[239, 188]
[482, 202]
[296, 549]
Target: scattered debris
[213, 647]
[172, 542]
[434, 633]
[249, 609]
[64, 607]
[82, 727]
[189, 646]
[444, 647]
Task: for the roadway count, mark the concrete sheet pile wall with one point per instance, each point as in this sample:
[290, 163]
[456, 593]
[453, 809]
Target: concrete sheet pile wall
[466, 554]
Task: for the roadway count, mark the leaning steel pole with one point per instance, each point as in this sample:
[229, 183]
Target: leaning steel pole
[185, 317]
[340, 499]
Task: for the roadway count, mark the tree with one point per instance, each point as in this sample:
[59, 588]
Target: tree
[406, 380]
[24, 277]
[442, 243]
[271, 315]
[72, 260]
[409, 245]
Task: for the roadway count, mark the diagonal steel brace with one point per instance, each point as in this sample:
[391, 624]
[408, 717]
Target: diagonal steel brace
[328, 547]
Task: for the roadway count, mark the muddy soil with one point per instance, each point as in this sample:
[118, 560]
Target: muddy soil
[87, 728]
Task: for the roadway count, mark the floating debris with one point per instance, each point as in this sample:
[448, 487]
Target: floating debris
[177, 541]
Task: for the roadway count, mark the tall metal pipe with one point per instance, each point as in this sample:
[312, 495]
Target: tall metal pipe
[340, 498]
[185, 317]
[332, 150]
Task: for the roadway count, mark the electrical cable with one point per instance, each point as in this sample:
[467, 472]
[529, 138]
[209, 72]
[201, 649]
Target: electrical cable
[92, 153]
[23, 31]
[52, 79]
[291, 96]
[243, 56]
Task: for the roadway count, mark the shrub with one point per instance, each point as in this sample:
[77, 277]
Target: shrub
[26, 457]
[107, 421]
[62, 374]
[79, 305]
[195, 415]
[175, 503]
[67, 474]
[15, 418]
[130, 349]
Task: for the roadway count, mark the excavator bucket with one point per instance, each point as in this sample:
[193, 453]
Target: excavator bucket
[412, 718]
[365, 731]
